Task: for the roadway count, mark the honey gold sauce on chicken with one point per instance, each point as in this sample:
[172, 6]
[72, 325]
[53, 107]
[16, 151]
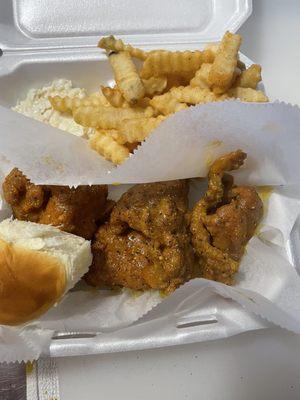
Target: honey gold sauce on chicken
[149, 238]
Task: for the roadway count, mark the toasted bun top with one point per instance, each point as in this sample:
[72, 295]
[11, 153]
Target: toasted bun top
[30, 283]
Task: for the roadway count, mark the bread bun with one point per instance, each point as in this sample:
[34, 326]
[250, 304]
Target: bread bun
[38, 264]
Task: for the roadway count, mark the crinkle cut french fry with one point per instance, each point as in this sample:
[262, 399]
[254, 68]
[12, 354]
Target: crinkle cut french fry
[114, 97]
[250, 77]
[177, 80]
[222, 71]
[69, 104]
[108, 147]
[145, 103]
[89, 116]
[193, 95]
[97, 99]
[201, 79]
[248, 94]
[148, 111]
[137, 130]
[213, 47]
[105, 117]
[208, 56]
[113, 44]
[64, 104]
[167, 104]
[155, 85]
[127, 77]
[166, 62]
[113, 133]
[163, 62]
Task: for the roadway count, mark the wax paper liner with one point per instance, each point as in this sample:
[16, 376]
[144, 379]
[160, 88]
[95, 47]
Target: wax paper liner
[267, 283]
[181, 147]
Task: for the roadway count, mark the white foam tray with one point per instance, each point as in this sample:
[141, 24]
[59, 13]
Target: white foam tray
[41, 40]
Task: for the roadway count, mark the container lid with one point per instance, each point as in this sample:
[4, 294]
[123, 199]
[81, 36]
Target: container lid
[67, 24]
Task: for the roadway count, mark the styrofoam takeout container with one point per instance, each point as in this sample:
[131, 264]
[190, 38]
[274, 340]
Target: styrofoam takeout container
[41, 40]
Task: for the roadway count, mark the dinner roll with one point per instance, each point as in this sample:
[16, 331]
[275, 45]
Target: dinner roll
[38, 265]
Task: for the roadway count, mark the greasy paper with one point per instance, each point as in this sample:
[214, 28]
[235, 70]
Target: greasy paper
[267, 283]
[183, 146]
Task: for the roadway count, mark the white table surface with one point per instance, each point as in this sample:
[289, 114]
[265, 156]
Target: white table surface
[258, 365]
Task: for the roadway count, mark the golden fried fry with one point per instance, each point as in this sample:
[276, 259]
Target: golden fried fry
[250, 77]
[145, 103]
[194, 95]
[96, 99]
[137, 130]
[69, 104]
[167, 104]
[64, 104]
[213, 47]
[201, 78]
[106, 117]
[154, 85]
[114, 97]
[208, 56]
[168, 82]
[148, 112]
[113, 44]
[163, 62]
[127, 77]
[133, 130]
[248, 94]
[176, 80]
[108, 147]
[222, 71]
[115, 134]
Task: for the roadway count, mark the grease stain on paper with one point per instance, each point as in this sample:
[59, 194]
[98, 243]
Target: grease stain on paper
[209, 153]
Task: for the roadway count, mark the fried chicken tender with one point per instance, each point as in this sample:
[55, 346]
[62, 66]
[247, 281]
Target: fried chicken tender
[72, 210]
[224, 220]
[145, 244]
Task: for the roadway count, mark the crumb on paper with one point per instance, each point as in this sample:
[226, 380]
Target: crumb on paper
[36, 105]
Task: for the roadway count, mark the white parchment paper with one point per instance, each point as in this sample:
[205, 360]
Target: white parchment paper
[267, 283]
[181, 147]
